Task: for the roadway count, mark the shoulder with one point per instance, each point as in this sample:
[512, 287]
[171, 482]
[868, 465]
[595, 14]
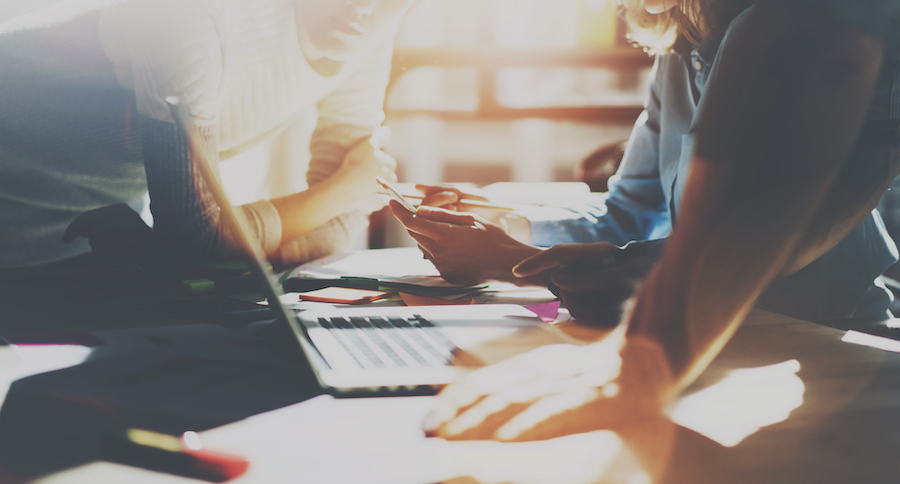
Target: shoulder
[877, 17]
[166, 48]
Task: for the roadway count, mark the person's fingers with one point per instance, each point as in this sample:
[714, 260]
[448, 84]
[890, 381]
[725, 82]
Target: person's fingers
[403, 215]
[480, 421]
[435, 224]
[493, 410]
[428, 190]
[95, 220]
[426, 244]
[443, 216]
[380, 137]
[389, 164]
[613, 281]
[593, 255]
[554, 256]
[619, 279]
[550, 416]
[440, 199]
[416, 224]
[473, 387]
[389, 177]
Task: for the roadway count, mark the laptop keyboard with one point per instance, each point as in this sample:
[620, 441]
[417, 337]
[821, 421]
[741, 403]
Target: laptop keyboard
[389, 342]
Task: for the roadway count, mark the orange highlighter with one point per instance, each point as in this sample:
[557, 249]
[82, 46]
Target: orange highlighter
[183, 456]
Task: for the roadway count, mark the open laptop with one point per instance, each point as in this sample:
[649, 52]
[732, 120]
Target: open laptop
[382, 350]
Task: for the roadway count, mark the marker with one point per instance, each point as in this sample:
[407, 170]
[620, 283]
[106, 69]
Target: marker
[221, 285]
[184, 456]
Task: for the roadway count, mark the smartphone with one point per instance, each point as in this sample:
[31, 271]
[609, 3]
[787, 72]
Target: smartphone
[396, 195]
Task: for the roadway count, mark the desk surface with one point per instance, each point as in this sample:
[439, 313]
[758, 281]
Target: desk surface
[790, 399]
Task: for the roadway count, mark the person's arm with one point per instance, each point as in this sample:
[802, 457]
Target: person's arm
[343, 174]
[634, 209]
[776, 129]
[782, 117]
[187, 62]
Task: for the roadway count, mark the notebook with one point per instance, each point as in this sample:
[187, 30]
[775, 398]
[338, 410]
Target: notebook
[385, 350]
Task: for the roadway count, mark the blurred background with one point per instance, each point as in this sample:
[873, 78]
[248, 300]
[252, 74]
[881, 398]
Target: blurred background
[486, 91]
[481, 91]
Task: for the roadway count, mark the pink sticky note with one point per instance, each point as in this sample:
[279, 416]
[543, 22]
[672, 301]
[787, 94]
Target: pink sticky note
[546, 311]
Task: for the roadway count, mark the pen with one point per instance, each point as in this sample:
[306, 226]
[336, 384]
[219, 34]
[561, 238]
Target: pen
[302, 284]
[222, 285]
[184, 456]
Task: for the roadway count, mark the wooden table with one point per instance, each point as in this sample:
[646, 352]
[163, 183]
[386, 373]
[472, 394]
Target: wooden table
[792, 401]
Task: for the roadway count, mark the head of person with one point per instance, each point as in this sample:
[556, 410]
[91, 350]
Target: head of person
[656, 24]
[339, 29]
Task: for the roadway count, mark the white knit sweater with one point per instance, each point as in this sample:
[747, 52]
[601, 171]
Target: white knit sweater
[239, 68]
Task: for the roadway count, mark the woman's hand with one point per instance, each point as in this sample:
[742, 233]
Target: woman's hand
[453, 198]
[594, 280]
[464, 246]
[351, 188]
[356, 176]
[553, 391]
[447, 196]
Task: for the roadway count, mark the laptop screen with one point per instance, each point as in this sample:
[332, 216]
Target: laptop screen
[246, 240]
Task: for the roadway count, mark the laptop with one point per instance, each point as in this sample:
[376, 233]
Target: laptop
[382, 350]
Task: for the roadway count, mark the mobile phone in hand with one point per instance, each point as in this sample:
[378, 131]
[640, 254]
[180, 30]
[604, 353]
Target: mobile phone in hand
[396, 195]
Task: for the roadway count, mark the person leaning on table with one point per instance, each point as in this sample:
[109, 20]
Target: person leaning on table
[796, 137]
[84, 123]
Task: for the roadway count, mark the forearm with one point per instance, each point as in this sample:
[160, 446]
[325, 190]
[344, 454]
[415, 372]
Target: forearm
[303, 212]
[777, 128]
[336, 235]
[186, 219]
[869, 171]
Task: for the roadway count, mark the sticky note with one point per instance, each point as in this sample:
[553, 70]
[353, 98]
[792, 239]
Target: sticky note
[345, 295]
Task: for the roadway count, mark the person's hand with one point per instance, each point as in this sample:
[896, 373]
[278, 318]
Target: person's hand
[447, 196]
[117, 234]
[594, 280]
[453, 198]
[553, 391]
[361, 165]
[464, 246]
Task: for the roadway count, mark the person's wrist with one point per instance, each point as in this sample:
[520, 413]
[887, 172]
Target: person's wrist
[646, 370]
[515, 255]
[516, 226]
